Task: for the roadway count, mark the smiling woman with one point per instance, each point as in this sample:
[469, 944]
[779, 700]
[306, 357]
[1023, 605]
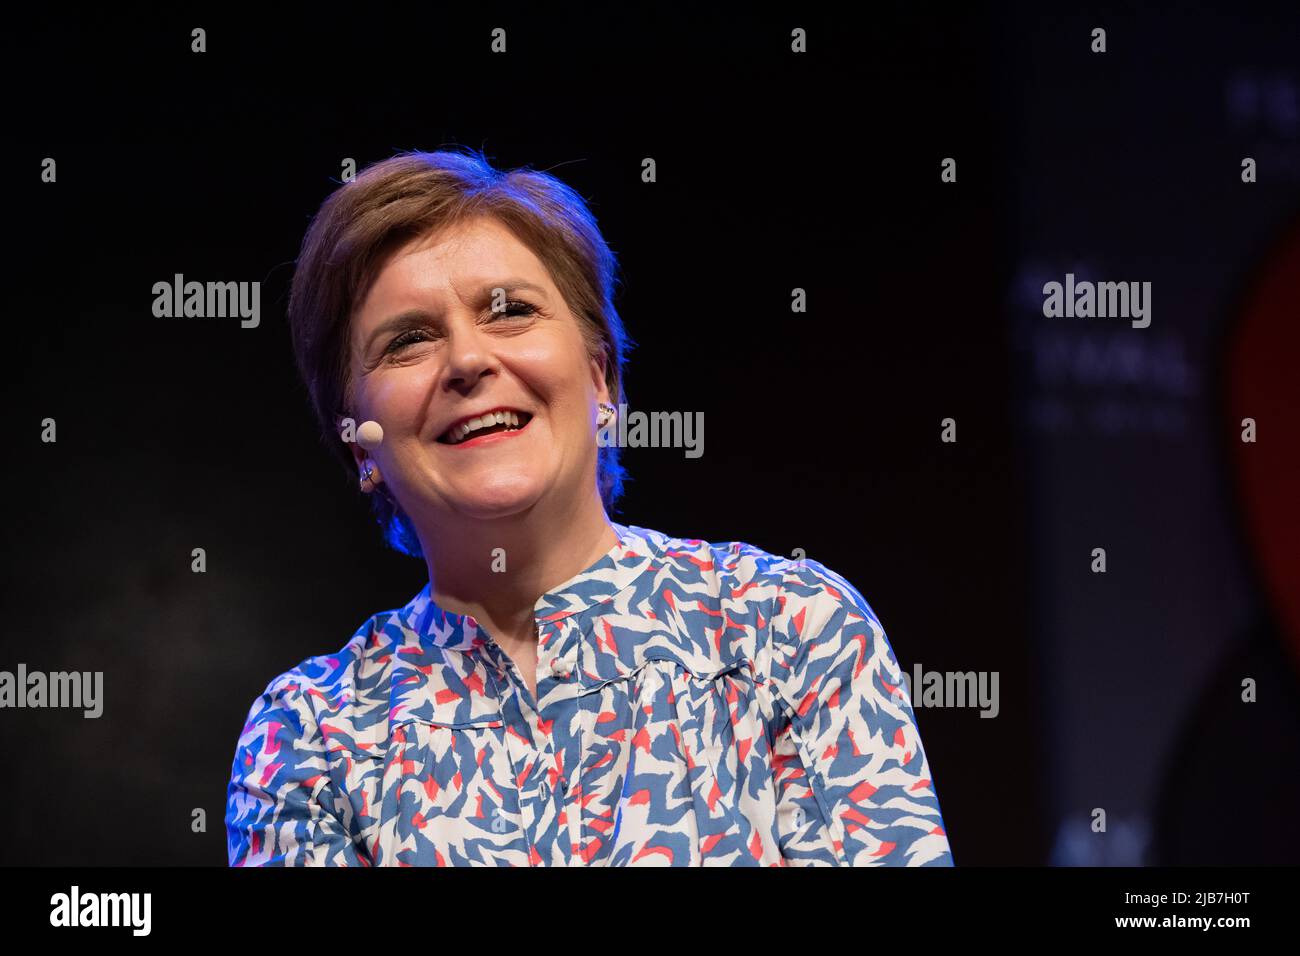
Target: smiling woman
[565, 690]
[372, 294]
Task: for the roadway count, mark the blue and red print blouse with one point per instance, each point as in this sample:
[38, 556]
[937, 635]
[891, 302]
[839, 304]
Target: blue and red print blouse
[697, 705]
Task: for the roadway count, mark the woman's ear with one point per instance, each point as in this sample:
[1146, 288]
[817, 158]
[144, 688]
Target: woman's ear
[346, 427]
[598, 377]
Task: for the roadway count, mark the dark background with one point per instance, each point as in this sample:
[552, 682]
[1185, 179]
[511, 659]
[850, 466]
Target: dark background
[775, 171]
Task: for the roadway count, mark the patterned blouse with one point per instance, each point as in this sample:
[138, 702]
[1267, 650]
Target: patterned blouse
[697, 705]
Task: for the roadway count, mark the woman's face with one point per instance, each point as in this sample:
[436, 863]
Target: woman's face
[429, 352]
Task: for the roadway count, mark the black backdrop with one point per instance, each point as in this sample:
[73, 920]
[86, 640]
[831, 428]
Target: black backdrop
[775, 171]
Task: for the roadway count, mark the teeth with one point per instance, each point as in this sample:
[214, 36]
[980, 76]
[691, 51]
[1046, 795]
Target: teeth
[459, 433]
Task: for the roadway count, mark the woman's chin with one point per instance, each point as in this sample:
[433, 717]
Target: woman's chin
[499, 502]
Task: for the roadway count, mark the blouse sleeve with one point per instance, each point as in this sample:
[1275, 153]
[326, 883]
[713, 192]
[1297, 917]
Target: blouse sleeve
[278, 809]
[854, 786]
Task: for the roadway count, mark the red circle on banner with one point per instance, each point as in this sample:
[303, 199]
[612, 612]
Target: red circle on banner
[1263, 384]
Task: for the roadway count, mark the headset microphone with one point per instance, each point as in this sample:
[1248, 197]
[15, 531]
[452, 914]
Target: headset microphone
[370, 435]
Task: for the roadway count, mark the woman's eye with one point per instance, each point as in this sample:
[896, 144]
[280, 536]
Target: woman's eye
[516, 309]
[406, 338]
[513, 309]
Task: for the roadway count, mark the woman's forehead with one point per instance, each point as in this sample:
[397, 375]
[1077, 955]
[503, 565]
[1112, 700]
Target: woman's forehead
[458, 261]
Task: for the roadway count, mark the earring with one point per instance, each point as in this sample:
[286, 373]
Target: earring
[606, 413]
[368, 475]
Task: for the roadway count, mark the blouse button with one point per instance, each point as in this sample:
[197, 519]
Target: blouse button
[559, 668]
[544, 789]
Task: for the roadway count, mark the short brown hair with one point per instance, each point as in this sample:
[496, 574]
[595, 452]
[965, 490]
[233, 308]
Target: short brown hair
[414, 194]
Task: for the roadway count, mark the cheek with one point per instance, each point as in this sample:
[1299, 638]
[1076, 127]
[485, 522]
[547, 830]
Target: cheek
[399, 398]
[555, 369]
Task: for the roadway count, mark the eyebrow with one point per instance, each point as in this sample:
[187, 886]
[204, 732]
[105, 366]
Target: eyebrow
[410, 317]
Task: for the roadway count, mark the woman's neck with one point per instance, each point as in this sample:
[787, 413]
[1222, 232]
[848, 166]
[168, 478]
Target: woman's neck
[496, 570]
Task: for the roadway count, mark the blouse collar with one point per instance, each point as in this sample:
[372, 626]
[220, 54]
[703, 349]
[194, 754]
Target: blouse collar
[635, 551]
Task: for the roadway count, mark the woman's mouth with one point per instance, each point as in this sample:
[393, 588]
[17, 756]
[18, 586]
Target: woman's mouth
[491, 426]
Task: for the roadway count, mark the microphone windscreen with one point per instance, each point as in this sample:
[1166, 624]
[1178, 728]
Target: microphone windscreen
[370, 435]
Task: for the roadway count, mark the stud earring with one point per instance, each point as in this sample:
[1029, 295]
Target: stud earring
[369, 476]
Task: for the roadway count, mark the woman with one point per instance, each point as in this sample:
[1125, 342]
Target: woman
[566, 690]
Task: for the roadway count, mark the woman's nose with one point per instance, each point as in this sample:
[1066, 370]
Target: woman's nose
[468, 353]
